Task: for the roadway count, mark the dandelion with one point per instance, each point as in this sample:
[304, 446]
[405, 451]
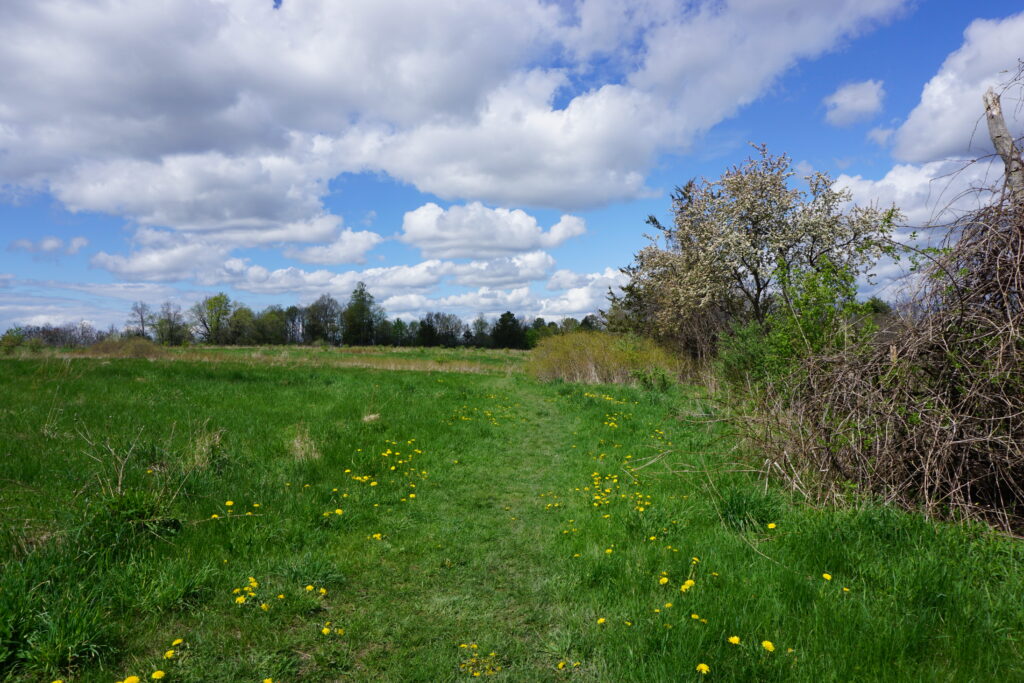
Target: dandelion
[131, 679]
[663, 580]
[264, 606]
[735, 640]
[845, 589]
[668, 605]
[229, 503]
[177, 642]
[309, 588]
[169, 654]
[157, 675]
[280, 596]
[768, 645]
[214, 516]
[268, 680]
[608, 551]
[827, 577]
[240, 600]
[338, 511]
[325, 630]
[601, 621]
[695, 616]
[703, 669]
[772, 525]
[561, 665]
[323, 591]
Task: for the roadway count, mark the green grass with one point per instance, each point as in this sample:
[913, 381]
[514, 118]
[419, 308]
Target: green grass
[520, 490]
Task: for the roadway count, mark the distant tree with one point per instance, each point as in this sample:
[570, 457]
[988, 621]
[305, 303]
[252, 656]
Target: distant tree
[170, 327]
[242, 327]
[508, 333]
[210, 318]
[141, 318]
[426, 333]
[449, 327]
[400, 333]
[570, 325]
[271, 326]
[323, 321]
[481, 331]
[361, 318]
[590, 322]
[295, 324]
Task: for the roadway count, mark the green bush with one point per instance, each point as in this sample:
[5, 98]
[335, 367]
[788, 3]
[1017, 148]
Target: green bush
[603, 358]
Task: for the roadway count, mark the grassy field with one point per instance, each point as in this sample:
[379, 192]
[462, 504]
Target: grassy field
[293, 521]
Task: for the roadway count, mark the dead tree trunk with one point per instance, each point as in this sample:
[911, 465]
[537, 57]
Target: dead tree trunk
[1005, 147]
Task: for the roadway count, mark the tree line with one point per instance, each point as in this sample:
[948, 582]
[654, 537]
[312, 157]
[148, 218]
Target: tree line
[360, 321]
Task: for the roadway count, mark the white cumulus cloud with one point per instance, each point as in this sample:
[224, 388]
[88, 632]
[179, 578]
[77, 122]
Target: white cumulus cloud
[475, 230]
[949, 119]
[854, 102]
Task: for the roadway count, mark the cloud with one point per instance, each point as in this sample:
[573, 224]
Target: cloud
[928, 194]
[505, 271]
[474, 230]
[348, 247]
[949, 119]
[854, 102]
[49, 245]
[881, 135]
[230, 116]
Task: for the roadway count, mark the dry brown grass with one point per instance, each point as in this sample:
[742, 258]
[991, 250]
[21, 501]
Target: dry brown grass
[600, 358]
[302, 446]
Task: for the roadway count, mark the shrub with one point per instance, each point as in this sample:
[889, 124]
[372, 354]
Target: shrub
[603, 358]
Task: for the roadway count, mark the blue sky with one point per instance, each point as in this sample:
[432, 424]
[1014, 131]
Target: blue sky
[469, 157]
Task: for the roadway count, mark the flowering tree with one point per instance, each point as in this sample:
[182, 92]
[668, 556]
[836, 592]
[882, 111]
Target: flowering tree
[733, 245]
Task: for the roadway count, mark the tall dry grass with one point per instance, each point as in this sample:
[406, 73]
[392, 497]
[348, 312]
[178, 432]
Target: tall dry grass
[602, 358]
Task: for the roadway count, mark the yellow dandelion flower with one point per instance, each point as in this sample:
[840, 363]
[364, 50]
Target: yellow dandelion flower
[240, 600]
[131, 679]
[325, 630]
[735, 640]
[229, 503]
[339, 631]
[561, 665]
[695, 616]
[264, 606]
[268, 680]
[214, 516]
[280, 596]
[169, 654]
[845, 589]
[668, 605]
[703, 668]
[309, 588]
[323, 591]
[157, 675]
[601, 620]
[772, 525]
[663, 580]
[768, 645]
[827, 577]
[177, 642]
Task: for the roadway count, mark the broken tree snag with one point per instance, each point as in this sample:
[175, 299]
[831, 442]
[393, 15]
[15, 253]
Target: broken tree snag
[1003, 142]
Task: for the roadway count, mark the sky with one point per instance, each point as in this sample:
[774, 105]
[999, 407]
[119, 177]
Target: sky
[461, 156]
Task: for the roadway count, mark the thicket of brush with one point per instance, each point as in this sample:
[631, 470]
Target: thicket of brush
[932, 413]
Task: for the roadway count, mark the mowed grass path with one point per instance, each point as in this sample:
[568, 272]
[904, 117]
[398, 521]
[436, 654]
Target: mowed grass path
[576, 533]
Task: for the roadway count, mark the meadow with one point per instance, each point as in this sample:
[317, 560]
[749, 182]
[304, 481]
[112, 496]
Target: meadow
[253, 516]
